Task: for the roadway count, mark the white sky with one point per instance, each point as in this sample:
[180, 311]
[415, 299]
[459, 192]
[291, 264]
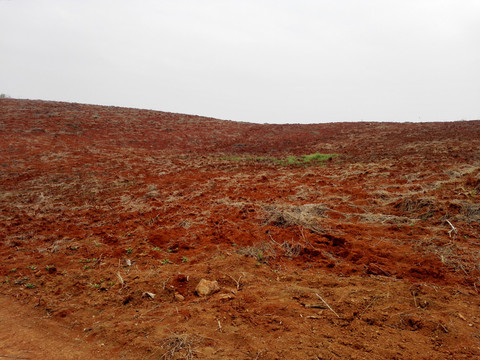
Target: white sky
[276, 61]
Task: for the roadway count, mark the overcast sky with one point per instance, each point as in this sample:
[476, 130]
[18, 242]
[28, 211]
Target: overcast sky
[275, 61]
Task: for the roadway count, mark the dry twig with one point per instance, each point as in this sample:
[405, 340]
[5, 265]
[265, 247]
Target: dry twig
[453, 230]
[235, 280]
[327, 305]
[120, 279]
[370, 304]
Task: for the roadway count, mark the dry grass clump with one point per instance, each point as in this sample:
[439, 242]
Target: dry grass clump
[262, 252]
[291, 250]
[306, 215]
[179, 346]
[266, 251]
[471, 212]
[423, 208]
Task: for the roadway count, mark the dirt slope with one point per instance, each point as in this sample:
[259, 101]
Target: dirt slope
[101, 205]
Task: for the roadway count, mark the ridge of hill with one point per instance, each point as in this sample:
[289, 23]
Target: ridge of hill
[156, 130]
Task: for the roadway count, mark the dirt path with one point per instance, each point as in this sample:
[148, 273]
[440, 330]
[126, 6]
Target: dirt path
[25, 334]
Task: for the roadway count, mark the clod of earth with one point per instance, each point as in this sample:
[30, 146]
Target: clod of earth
[207, 287]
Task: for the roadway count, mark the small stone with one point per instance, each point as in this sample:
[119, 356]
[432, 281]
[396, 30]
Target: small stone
[148, 294]
[207, 287]
[179, 297]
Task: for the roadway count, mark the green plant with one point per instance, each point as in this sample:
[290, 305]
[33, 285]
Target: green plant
[48, 267]
[156, 248]
[29, 286]
[13, 270]
[32, 267]
[311, 159]
[184, 259]
[129, 251]
[166, 261]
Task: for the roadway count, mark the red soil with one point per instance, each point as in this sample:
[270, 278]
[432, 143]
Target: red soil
[84, 189]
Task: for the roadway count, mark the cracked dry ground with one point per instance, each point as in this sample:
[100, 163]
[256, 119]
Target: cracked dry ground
[350, 259]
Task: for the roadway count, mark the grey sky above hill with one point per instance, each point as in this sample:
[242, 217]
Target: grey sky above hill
[273, 61]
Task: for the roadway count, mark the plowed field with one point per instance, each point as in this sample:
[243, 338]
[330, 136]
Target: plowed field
[110, 217]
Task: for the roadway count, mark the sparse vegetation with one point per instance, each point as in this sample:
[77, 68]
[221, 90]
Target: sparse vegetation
[261, 252]
[304, 160]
